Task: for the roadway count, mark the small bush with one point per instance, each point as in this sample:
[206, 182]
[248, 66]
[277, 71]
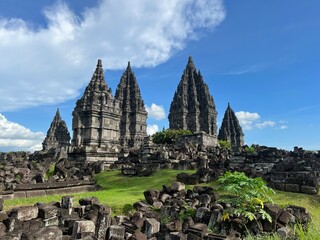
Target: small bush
[225, 144]
[168, 136]
[249, 149]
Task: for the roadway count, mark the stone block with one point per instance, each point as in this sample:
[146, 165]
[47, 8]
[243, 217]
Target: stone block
[88, 201]
[20, 194]
[47, 211]
[1, 203]
[116, 232]
[151, 226]
[82, 228]
[36, 193]
[3, 216]
[292, 188]
[198, 229]
[46, 233]
[53, 221]
[25, 213]
[151, 195]
[178, 186]
[3, 229]
[67, 202]
[286, 217]
[309, 190]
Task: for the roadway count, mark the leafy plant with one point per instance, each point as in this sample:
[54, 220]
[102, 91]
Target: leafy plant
[188, 212]
[50, 171]
[225, 144]
[246, 195]
[169, 135]
[249, 149]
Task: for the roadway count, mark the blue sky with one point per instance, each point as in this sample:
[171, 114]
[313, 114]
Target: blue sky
[261, 56]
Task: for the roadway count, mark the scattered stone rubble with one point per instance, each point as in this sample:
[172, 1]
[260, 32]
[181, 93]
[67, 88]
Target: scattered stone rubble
[25, 175]
[170, 213]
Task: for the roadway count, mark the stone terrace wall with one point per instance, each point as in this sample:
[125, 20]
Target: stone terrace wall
[292, 171]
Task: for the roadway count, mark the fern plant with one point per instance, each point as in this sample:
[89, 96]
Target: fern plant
[246, 195]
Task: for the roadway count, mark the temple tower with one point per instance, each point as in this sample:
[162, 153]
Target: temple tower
[133, 126]
[58, 135]
[193, 107]
[95, 122]
[231, 130]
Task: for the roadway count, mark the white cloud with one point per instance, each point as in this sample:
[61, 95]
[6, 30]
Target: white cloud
[156, 111]
[283, 127]
[152, 129]
[17, 137]
[51, 64]
[264, 124]
[247, 119]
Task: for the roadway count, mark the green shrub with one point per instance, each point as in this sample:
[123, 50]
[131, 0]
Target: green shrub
[246, 195]
[168, 136]
[249, 149]
[189, 212]
[225, 144]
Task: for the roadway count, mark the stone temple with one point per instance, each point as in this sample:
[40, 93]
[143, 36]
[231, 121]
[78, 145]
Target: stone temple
[231, 130]
[103, 124]
[58, 135]
[133, 126]
[193, 107]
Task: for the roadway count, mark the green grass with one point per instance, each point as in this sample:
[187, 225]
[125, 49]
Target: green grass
[121, 192]
[118, 192]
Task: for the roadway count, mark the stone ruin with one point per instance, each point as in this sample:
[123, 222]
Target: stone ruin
[58, 135]
[231, 130]
[170, 213]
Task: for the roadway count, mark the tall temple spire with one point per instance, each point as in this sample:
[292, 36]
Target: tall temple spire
[230, 129]
[57, 135]
[193, 107]
[133, 119]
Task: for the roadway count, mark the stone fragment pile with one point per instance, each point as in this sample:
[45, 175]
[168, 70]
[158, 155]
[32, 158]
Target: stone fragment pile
[170, 213]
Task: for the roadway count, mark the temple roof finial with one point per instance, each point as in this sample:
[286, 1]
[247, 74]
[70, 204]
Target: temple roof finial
[99, 64]
[129, 67]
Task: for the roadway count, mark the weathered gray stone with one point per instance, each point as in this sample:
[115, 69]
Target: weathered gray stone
[3, 229]
[178, 186]
[83, 228]
[48, 211]
[152, 226]
[46, 233]
[116, 232]
[53, 221]
[25, 213]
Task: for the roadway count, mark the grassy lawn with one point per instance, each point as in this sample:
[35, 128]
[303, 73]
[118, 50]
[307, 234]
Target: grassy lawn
[121, 192]
[118, 192]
